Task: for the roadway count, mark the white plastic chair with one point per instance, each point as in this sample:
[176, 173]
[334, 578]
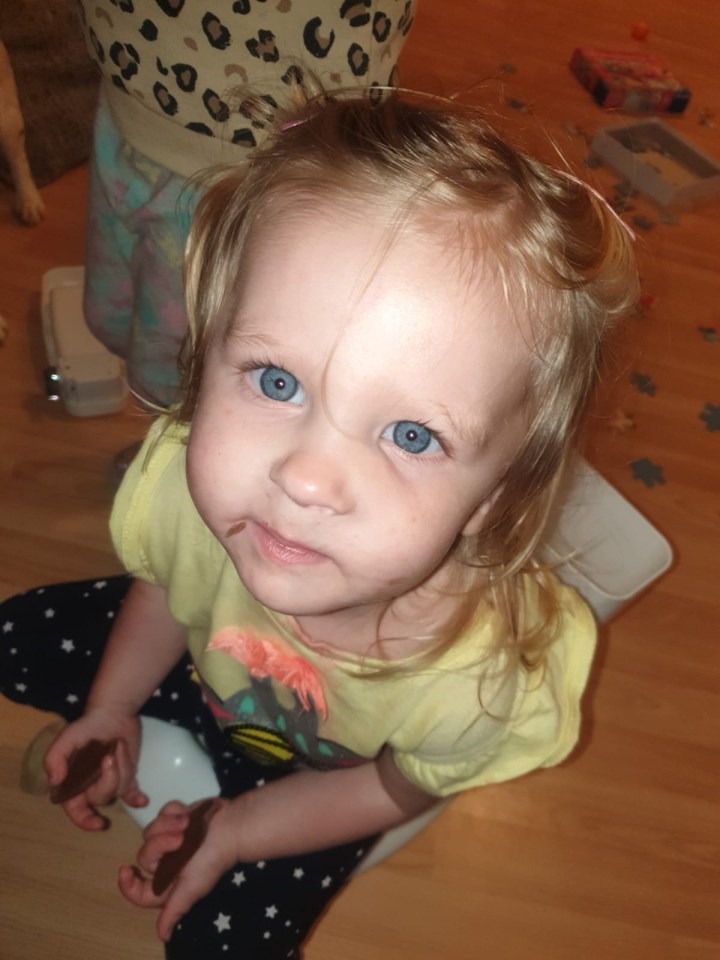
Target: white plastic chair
[602, 546]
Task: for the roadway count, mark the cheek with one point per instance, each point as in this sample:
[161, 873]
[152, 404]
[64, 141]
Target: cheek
[417, 536]
[207, 457]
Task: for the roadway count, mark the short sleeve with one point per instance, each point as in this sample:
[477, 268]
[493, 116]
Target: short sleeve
[529, 721]
[136, 497]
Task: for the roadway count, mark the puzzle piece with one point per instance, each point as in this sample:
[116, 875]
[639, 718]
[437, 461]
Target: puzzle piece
[620, 204]
[622, 422]
[646, 301]
[518, 105]
[643, 223]
[707, 117]
[709, 334]
[626, 189]
[711, 416]
[647, 472]
[644, 384]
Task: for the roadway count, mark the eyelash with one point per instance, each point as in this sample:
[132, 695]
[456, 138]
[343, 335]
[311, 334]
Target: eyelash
[428, 458]
[259, 363]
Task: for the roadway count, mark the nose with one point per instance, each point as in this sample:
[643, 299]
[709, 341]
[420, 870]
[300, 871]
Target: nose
[314, 479]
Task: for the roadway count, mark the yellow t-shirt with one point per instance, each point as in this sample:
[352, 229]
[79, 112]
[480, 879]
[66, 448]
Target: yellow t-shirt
[285, 701]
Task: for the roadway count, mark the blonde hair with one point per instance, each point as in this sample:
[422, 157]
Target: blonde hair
[564, 260]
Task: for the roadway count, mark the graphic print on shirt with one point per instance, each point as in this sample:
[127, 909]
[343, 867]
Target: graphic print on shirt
[274, 718]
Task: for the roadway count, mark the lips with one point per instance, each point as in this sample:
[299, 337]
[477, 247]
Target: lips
[284, 551]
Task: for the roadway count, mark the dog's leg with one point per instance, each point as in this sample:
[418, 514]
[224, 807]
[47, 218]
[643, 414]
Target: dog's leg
[28, 202]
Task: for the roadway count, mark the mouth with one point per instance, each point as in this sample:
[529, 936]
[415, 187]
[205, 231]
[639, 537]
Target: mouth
[283, 551]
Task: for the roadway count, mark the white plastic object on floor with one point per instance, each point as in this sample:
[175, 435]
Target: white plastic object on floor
[610, 554]
[601, 544]
[173, 766]
[81, 371]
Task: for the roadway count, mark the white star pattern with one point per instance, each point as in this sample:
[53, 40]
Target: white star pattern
[298, 873]
[111, 614]
[68, 646]
[20, 687]
[7, 626]
[271, 912]
[49, 613]
[99, 584]
[266, 935]
[260, 864]
[222, 923]
[238, 878]
[326, 882]
[71, 698]
[259, 783]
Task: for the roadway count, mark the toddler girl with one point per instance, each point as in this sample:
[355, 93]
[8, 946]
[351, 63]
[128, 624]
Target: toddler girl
[396, 322]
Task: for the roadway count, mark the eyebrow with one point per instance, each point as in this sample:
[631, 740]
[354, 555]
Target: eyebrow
[469, 431]
[235, 333]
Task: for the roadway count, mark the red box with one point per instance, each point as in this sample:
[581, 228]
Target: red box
[631, 82]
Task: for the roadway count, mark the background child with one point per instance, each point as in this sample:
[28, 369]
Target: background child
[167, 110]
[396, 321]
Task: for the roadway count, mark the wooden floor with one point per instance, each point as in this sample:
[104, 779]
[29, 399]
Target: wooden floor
[616, 854]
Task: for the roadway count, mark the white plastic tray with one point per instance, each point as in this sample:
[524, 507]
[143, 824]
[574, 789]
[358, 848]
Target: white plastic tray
[88, 378]
[602, 545]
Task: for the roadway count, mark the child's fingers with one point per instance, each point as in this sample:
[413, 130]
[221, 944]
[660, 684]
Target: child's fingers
[171, 812]
[106, 788]
[127, 769]
[172, 818]
[156, 846]
[190, 887]
[57, 758]
[136, 888]
[83, 814]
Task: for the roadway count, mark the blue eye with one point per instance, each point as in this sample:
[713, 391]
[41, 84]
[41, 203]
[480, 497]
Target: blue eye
[277, 384]
[411, 437]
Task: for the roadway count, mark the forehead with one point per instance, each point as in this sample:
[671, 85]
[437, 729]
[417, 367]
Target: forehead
[419, 305]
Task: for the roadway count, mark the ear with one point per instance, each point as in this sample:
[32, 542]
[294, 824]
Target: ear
[475, 523]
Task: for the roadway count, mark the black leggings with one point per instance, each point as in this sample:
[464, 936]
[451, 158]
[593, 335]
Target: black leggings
[51, 642]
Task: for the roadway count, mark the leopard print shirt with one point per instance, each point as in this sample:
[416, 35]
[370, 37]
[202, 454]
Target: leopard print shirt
[185, 62]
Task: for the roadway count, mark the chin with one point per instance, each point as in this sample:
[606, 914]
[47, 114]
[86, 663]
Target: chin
[289, 600]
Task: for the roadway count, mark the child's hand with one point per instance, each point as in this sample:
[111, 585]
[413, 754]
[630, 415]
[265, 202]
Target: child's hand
[117, 769]
[195, 879]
